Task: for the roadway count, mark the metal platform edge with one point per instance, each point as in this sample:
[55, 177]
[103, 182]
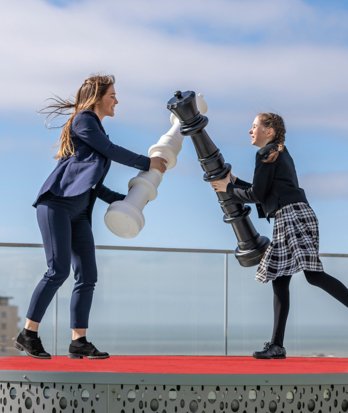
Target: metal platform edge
[172, 379]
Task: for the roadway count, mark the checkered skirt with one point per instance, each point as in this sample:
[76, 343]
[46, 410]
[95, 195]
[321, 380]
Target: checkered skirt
[295, 244]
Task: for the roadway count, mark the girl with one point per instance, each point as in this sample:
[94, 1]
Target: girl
[295, 244]
[64, 207]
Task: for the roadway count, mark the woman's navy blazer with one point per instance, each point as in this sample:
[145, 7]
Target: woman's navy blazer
[87, 168]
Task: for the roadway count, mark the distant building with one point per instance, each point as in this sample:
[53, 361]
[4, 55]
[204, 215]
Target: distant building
[8, 327]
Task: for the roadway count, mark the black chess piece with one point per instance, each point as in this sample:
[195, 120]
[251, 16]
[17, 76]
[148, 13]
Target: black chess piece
[251, 246]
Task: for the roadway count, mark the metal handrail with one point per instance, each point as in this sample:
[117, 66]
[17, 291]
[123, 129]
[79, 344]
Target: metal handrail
[156, 249]
[126, 248]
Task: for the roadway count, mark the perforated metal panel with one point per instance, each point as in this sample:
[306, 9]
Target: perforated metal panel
[242, 399]
[139, 398]
[52, 398]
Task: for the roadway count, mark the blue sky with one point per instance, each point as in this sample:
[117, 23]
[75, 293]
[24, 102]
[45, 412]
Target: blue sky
[286, 56]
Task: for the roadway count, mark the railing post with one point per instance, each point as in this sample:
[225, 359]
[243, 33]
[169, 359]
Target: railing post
[55, 323]
[226, 303]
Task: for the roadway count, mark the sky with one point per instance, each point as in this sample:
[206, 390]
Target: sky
[284, 56]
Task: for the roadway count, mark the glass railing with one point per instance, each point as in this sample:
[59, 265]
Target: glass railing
[174, 301]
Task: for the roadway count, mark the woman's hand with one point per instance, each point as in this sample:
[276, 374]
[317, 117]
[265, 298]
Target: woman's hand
[158, 163]
[221, 184]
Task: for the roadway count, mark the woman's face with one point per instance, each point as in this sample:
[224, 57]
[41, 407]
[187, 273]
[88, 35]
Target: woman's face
[106, 105]
[260, 135]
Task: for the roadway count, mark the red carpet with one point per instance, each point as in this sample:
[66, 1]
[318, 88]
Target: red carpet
[180, 365]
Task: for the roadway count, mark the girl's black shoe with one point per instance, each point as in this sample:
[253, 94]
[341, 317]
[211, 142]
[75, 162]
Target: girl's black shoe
[78, 350]
[271, 351]
[32, 346]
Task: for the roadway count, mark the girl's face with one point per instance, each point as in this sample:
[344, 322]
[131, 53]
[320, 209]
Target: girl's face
[260, 135]
[106, 105]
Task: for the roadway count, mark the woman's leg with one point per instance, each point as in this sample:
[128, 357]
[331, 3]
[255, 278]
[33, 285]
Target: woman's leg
[55, 227]
[85, 274]
[54, 224]
[329, 284]
[281, 306]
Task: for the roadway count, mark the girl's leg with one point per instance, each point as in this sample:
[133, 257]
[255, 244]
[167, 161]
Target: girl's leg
[329, 284]
[281, 306]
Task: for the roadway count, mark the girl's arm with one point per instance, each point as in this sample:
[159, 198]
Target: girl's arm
[257, 191]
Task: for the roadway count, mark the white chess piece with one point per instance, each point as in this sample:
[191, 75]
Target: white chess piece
[125, 218]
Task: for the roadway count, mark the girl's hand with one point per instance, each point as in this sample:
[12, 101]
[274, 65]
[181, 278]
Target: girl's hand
[158, 163]
[221, 184]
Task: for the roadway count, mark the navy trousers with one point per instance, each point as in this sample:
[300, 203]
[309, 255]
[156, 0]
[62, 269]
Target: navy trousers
[68, 241]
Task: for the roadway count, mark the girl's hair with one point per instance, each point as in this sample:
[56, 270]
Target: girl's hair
[90, 93]
[276, 122]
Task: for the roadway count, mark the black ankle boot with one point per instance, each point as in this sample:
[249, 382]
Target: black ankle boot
[82, 348]
[271, 351]
[31, 345]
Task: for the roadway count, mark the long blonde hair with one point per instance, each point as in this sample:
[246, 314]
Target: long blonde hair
[90, 93]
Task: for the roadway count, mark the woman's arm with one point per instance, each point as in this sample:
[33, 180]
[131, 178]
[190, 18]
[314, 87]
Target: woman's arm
[86, 127]
[109, 196]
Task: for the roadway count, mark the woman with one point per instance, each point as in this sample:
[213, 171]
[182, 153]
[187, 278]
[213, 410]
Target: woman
[64, 207]
[295, 244]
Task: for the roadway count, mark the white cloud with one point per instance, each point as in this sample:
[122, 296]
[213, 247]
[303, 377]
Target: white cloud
[156, 47]
[50, 50]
